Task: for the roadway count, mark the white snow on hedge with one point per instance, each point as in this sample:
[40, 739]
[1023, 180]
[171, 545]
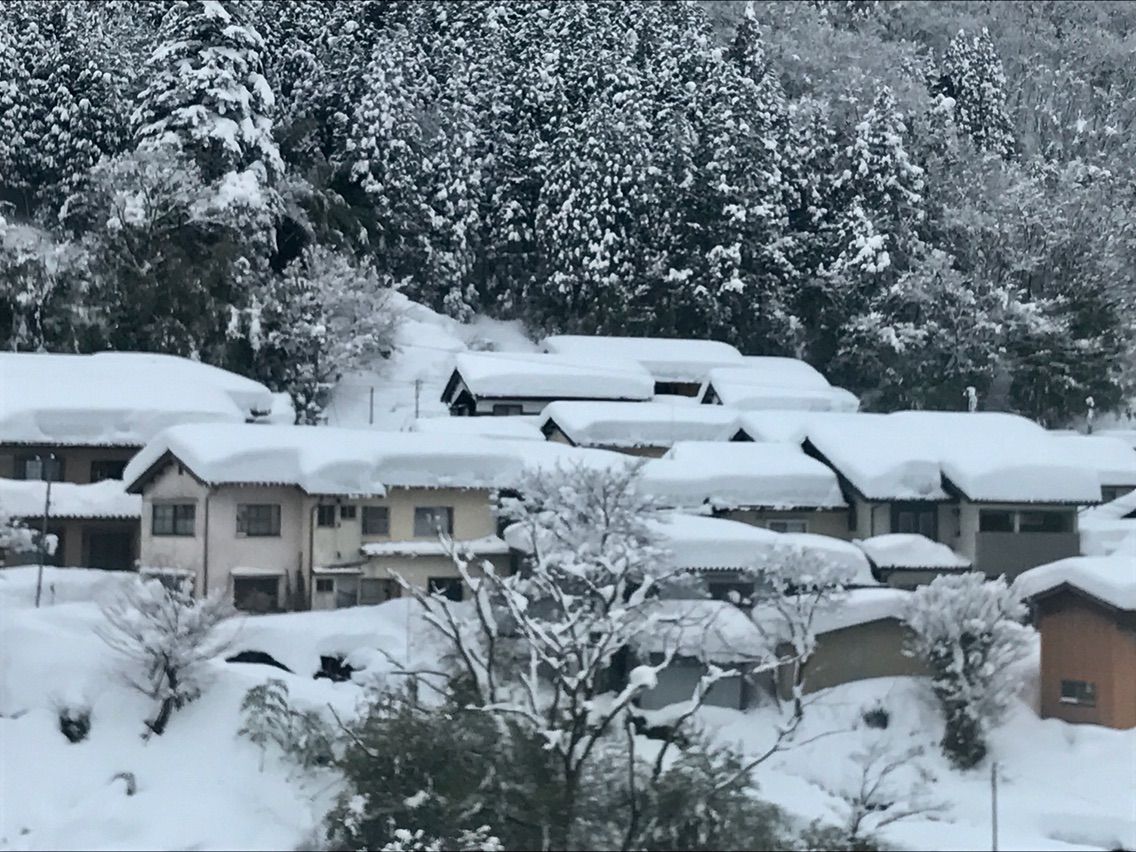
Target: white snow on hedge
[518, 428]
[989, 457]
[637, 424]
[770, 383]
[106, 499]
[910, 550]
[667, 360]
[489, 545]
[1111, 579]
[1112, 459]
[117, 398]
[510, 375]
[737, 474]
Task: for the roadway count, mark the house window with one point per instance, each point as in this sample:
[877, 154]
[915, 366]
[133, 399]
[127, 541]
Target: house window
[173, 518]
[376, 520]
[106, 469]
[992, 520]
[373, 591]
[1045, 522]
[432, 520]
[347, 513]
[448, 587]
[789, 526]
[325, 516]
[507, 410]
[325, 585]
[39, 467]
[1078, 692]
[256, 594]
[733, 591]
[258, 519]
[921, 518]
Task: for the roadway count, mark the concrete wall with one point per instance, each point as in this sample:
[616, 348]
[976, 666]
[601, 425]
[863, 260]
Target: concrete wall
[1083, 641]
[831, 522]
[76, 460]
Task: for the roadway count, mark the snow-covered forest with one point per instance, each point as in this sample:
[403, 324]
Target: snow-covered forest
[916, 197]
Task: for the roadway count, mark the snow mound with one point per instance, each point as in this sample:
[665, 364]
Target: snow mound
[666, 359]
[117, 398]
[789, 427]
[1112, 459]
[540, 375]
[518, 428]
[106, 499]
[910, 550]
[861, 606]
[637, 424]
[735, 474]
[783, 384]
[1111, 579]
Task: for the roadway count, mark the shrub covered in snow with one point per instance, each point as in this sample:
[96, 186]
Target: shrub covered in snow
[970, 634]
[165, 636]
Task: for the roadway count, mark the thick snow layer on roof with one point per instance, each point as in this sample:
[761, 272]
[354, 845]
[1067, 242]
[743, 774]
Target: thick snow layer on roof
[734, 474]
[909, 550]
[789, 427]
[324, 460]
[1111, 579]
[540, 375]
[1112, 459]
[1110, 527]
[842, 553]
[784, 372]
[106, 499]
[990, 457]
[117, 398]
[1128, 436]
[711, 631]
[667, 360]
[862, 606]
[1122, 507]
[798, 387]
[516, 428]
[637, 424]
[485, 546]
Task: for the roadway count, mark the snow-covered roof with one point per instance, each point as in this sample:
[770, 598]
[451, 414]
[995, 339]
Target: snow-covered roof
[1111, 579]
[790, 427]
[988, 456]
[106, 499]
[735, 474]
[325, 460]
[666, 359]
[485, 546]
[637, 424]
[1112, 459]
[527, 375]
[518, 428]
[768, 383]
[1122, 507]
[1128, 436]
[712, 631]
[861, 606]
[910, 550]
[1110, 527]
[117, 398]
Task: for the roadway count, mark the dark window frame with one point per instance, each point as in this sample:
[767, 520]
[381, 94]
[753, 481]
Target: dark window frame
[376, 520]
[325, 585]
[265, 523]
[920, 512]
[1054, 521]
[326, 515]
[507, 409]
[987, 518]
[100, 469]
[1080, 692]
[181, 520]
[447, 527]
[23, 461]
[347, 513]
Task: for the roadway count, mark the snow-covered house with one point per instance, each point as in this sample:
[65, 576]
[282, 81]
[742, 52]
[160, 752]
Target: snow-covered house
[678, 366]
[93, 412]
[764, 383]
[906, 560]
[519, 383]
[1085, 610]
[990, 486]
[636, 428]
[282, 517]
[1112, 459]
[95, 525]
[770, 485]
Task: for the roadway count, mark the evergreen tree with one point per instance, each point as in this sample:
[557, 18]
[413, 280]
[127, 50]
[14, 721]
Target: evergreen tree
[972, 74]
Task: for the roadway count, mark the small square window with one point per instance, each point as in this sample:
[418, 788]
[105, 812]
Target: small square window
[258, 519]
[325, 516]
[789, 525]
[376, 520]
[347, 513]
[325, 585]
[433, 520]
[173, 519]
[1078, 692]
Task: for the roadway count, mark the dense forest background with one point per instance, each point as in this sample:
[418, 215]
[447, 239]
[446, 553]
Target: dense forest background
[914, 196]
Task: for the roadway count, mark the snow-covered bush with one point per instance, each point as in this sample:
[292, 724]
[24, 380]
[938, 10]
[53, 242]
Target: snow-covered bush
[969, 632]
[166, 636]
[302, 735]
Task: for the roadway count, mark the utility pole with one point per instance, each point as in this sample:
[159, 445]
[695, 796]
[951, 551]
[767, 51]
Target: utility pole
[371, 417]
[1091, 405]
[417, 392]
[45, 470]
[994, 806]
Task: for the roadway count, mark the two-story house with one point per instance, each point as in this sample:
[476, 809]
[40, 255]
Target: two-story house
[315, 517]
[679, 366]
[646, 429]
[519, 383]
[78, 419]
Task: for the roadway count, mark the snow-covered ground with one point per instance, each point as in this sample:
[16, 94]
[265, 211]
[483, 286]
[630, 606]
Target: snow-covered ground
[200, 786]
